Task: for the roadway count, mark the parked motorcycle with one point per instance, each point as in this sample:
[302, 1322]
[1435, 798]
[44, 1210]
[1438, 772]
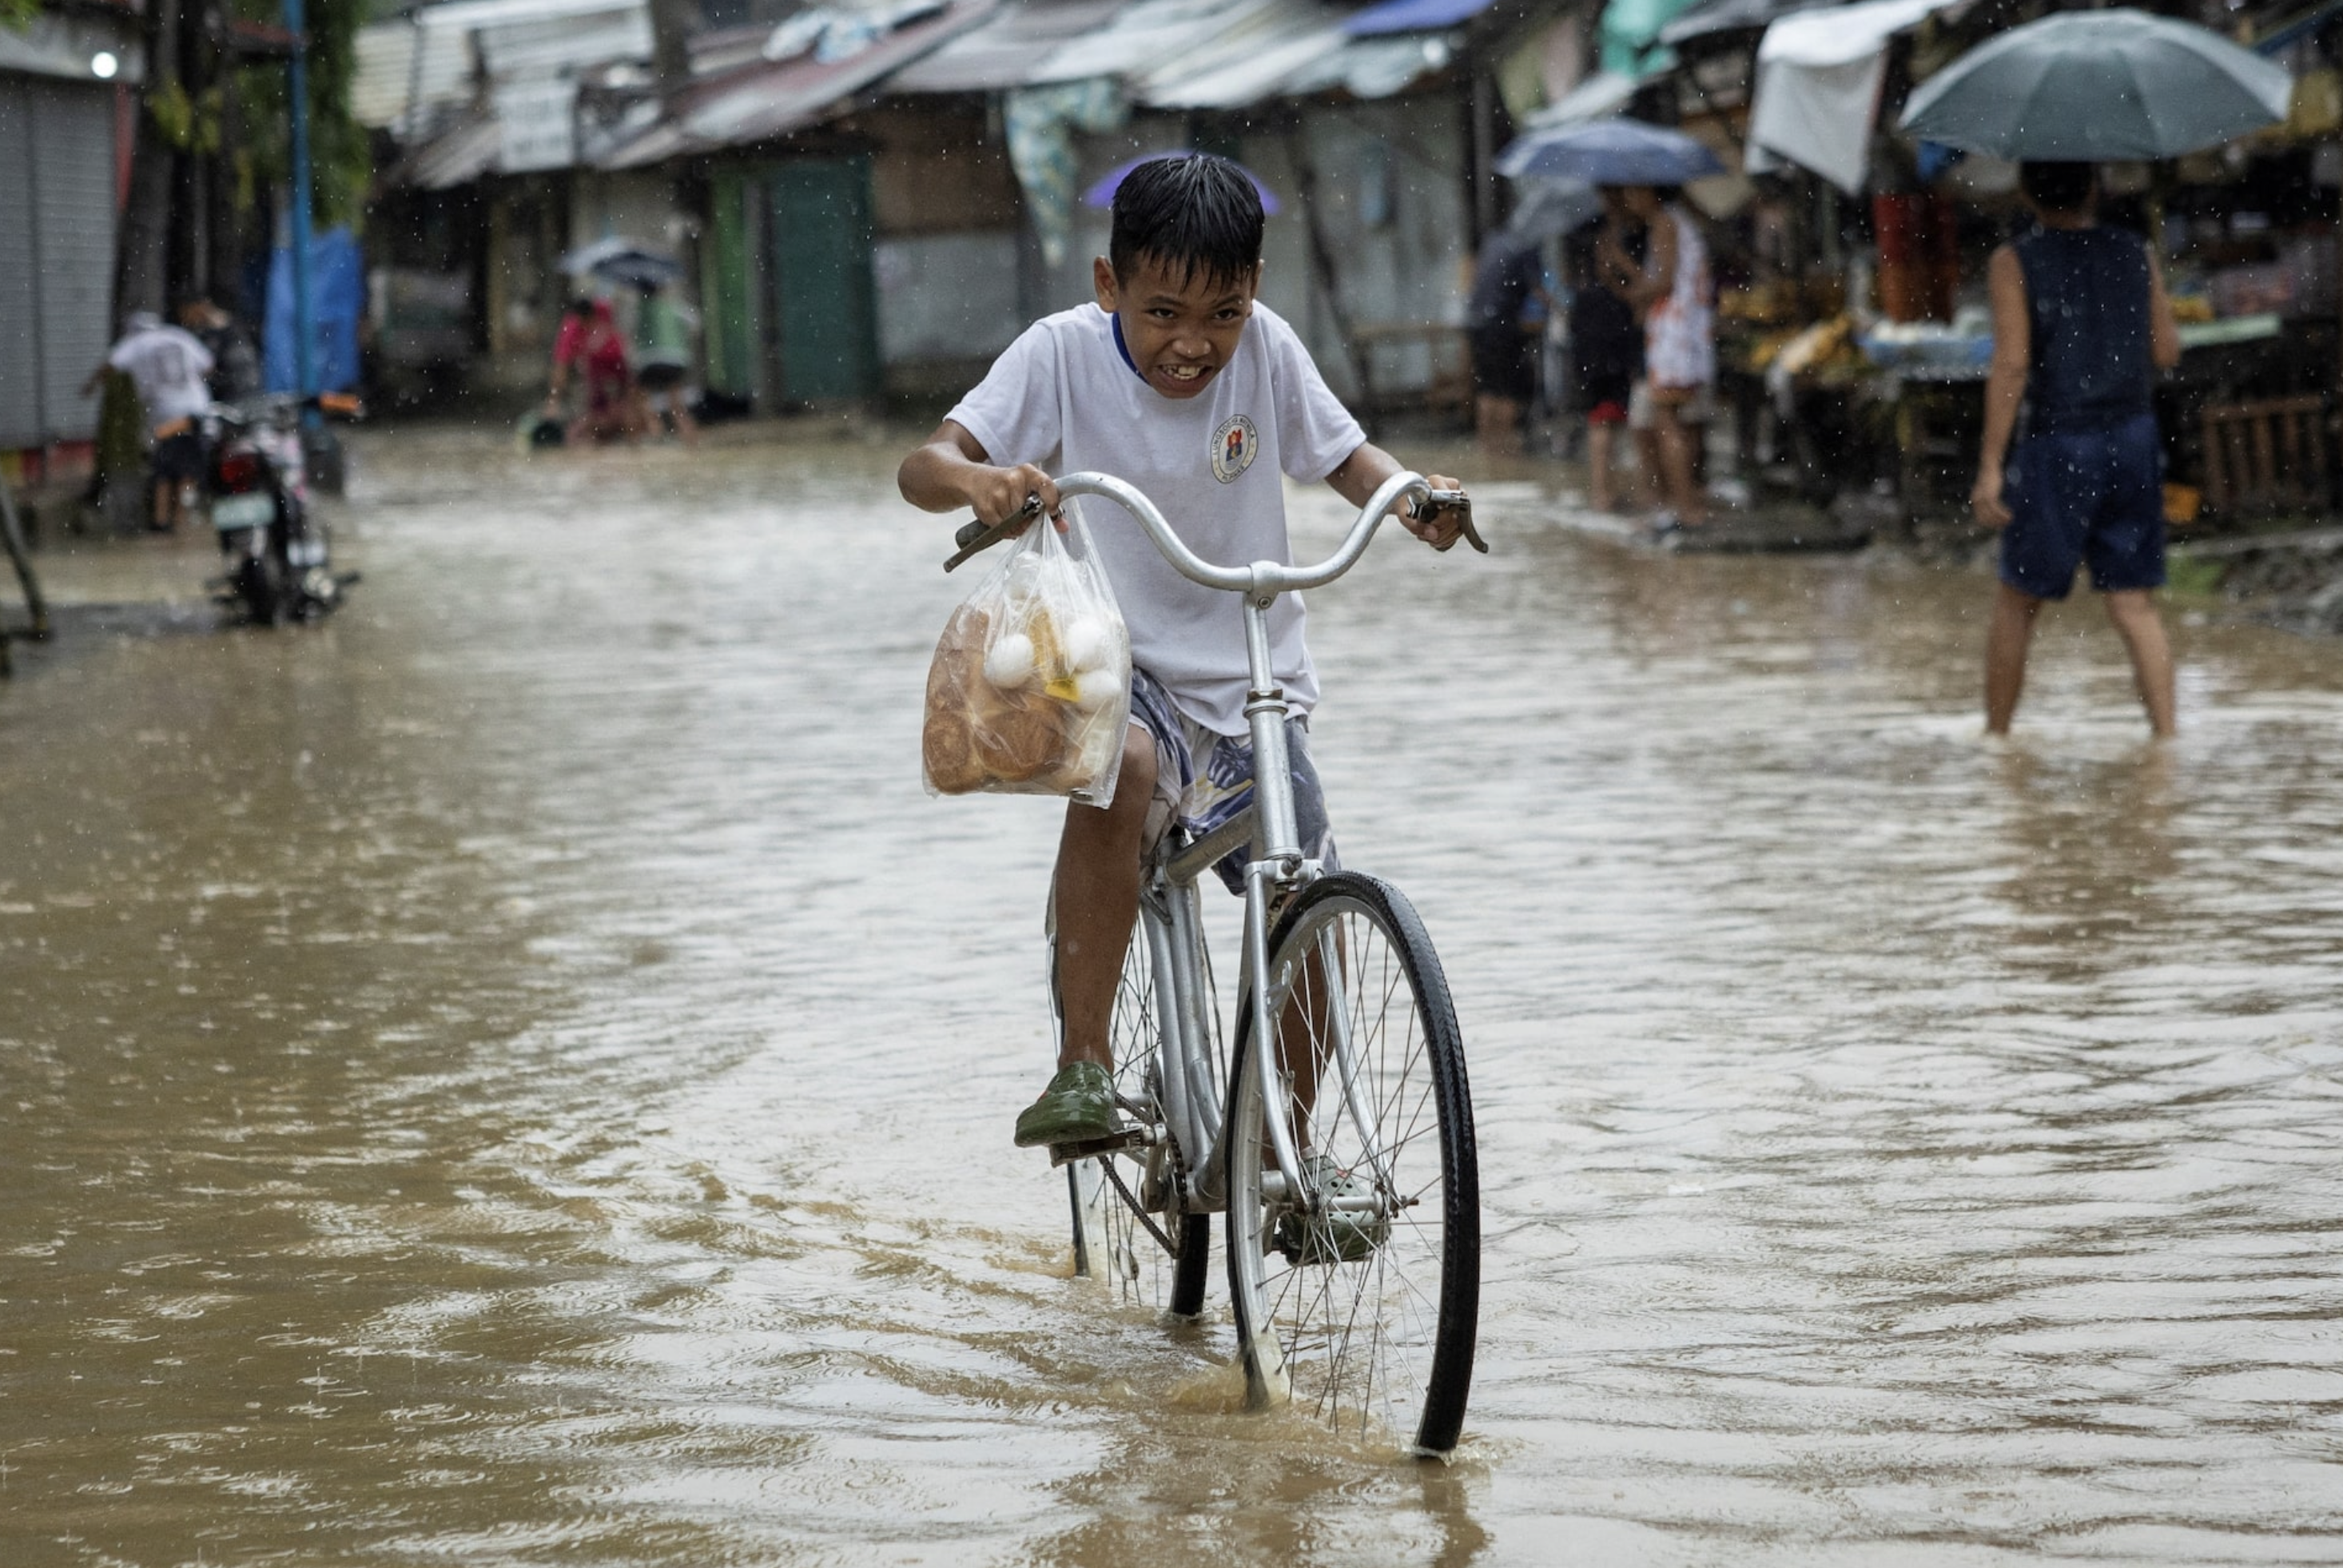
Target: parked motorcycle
[279, 560]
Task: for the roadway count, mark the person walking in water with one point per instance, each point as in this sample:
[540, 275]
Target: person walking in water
[663, 329]
[168, 365]
[1669, 288]
[2081, 324]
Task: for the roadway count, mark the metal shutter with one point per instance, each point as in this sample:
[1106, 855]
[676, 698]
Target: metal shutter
[20, 312]
[73, 147]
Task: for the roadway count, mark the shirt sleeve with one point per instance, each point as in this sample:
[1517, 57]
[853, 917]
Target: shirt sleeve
[1314, 432]
[1013, 412]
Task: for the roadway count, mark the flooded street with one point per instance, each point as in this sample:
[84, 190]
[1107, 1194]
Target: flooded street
[523, 1074]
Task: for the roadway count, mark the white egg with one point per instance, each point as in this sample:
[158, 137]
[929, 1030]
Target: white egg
[1094, 689]
[1008, 663]
[1088, 644]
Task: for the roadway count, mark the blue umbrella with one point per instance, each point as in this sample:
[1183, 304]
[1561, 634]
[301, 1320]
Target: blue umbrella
[1609, 152]
[1102, 193]
[2091, 86]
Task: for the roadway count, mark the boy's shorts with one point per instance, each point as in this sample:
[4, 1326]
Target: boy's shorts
[1604, 393]
[178, 457]
[1203, 778]
[2095, 495]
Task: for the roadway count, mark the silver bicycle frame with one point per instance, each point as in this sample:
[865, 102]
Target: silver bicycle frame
[1191, 1101]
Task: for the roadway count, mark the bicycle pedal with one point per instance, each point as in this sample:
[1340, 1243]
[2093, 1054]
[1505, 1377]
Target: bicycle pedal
[1091, 1148]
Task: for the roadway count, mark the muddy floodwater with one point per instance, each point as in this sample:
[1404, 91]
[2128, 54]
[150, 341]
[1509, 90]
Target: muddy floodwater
[523, 1074]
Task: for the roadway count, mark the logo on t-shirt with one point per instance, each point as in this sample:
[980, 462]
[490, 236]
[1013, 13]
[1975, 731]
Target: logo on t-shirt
[1233, 445]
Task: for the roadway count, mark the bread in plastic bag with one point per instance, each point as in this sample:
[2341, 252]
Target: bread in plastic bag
[1029, 689]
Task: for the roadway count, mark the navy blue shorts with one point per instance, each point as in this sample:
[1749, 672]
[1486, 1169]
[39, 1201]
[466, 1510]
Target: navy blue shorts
[2086, 496]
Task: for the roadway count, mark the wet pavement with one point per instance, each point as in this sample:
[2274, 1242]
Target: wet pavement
[522, 1074]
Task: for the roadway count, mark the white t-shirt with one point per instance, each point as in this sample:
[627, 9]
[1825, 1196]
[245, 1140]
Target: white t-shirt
[169, 366]
[1065, 397]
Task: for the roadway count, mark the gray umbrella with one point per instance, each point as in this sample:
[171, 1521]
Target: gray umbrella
[2093, 87]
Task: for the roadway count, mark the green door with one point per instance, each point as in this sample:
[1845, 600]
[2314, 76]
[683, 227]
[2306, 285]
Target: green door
[825, 301]
[728, 284]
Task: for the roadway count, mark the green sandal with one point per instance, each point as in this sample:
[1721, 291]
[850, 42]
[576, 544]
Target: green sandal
[1077, 1107]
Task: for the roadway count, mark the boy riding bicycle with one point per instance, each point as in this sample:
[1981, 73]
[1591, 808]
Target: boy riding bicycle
[1178, 382]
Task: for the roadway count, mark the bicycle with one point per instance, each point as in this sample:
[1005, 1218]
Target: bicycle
[1353, 1213]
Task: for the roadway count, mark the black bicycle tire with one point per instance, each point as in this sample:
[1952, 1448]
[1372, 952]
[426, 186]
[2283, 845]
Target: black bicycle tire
[1449, 1385]
[1192, 1268]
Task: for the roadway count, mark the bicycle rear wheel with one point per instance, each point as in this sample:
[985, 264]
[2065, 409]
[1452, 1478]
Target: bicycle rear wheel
[1364, 1309]
[1116, 1198]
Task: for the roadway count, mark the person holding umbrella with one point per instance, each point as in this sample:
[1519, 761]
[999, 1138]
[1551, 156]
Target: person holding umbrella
[1670, 290]
[591, 344]
[2081, 323]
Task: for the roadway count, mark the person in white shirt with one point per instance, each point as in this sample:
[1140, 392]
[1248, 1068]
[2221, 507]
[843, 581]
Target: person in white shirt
[1177, 381]
[168, 365]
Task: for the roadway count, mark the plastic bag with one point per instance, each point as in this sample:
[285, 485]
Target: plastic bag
[1029, 689]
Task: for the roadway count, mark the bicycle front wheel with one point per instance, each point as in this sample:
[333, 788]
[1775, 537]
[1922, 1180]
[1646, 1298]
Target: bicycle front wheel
[1357, 1300]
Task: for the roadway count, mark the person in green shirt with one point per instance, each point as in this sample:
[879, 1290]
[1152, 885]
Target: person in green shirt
[663, 330]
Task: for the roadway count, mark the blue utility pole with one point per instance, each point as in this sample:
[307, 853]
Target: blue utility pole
[304, 372]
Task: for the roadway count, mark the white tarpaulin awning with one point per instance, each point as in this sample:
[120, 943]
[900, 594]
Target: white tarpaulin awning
[1819, 74]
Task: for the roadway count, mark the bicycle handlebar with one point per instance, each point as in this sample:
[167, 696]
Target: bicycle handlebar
[1261, 579]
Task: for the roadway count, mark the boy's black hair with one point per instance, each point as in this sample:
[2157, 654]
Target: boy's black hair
[1191, 212]
[580, 306]
[2058, 187]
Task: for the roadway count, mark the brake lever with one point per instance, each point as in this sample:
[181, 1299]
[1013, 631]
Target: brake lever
[976, 535]
[1438, 501]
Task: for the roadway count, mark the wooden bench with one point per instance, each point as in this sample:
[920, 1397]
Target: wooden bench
[2269, 456]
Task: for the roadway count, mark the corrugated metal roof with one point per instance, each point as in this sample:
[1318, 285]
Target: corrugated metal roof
[1177, 54]
[552, 48]
[771, 100]
[1246, 60]
[1145, 36]
[385, 88]
[504, 38]
[1001, 53]
[458, 157]
[48, 44]
[1373, 67]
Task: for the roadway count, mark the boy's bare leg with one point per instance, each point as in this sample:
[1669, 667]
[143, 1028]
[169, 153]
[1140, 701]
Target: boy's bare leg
[1676, 468]
[2005, 654]
[1647, 491]
[1499, 421]
[1098, 902]
[2134, 613]
[1600, 440]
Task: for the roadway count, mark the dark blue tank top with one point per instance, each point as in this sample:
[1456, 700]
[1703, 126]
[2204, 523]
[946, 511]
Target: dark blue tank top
[2086, 294]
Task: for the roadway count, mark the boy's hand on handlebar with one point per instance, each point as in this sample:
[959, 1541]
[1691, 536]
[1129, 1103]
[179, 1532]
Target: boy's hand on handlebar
[1437, 525]
[997, 495]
